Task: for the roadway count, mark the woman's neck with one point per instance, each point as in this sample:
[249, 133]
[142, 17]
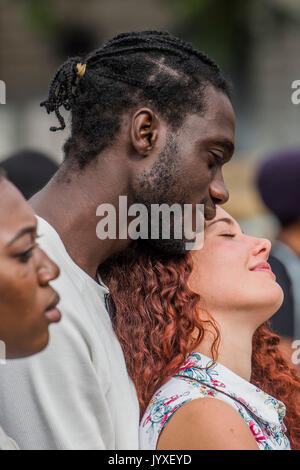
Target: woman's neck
[234, 350]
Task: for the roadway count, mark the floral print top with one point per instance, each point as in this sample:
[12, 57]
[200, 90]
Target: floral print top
[201, 377]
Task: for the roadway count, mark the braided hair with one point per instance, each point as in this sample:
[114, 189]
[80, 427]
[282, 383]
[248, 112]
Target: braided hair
[144, 68]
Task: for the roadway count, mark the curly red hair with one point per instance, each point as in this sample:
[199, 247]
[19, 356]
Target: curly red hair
[154, 314]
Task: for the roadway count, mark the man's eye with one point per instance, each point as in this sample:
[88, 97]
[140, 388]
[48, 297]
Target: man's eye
[231, 235]
[217, 158]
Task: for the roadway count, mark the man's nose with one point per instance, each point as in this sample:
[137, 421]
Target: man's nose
[218, 190]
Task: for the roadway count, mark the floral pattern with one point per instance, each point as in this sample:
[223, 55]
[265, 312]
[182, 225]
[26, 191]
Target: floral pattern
[199, 377]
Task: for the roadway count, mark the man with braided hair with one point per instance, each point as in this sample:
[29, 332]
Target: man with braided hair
[151, 119]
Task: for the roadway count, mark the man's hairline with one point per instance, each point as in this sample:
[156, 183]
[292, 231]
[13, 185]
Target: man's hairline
[175, 129]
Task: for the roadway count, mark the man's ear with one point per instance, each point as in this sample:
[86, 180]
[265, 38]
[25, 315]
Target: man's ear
[144, 131]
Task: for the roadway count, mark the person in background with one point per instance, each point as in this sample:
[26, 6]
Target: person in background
[27, 301]
[278, 185]
[29, 170]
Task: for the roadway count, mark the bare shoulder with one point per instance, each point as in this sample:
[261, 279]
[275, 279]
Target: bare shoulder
[207, 423]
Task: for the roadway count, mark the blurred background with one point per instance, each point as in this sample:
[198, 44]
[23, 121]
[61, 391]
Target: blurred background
[256, 42]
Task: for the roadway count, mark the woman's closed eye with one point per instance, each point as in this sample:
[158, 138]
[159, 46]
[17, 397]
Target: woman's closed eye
[231, 235]
[26, 255]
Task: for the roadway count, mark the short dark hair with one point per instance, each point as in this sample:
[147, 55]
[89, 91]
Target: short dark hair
[148, 68]
[29, 170]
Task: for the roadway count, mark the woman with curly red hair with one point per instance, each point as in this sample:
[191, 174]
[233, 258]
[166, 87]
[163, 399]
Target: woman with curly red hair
[208, 372]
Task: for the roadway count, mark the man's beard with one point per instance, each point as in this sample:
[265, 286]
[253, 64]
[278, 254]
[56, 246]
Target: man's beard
[160, 186]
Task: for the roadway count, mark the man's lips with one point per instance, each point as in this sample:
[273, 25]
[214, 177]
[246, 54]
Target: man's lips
[264, 267]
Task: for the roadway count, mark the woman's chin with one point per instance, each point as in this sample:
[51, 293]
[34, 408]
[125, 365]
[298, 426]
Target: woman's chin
[272, 300]
[278, 300]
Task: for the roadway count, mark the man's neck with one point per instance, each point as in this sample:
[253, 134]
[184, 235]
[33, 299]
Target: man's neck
[70, 207]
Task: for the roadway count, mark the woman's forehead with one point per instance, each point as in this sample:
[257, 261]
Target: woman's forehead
[220, 214]
[15, 212]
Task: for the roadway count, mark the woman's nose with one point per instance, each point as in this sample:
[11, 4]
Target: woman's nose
[262, 245]
[47, 269]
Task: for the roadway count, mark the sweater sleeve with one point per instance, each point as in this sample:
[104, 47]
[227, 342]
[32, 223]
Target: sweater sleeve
[6, 443]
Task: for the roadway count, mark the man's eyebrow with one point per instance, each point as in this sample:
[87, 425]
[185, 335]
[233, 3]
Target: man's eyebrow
[223, 219]
[226, 144]
[27, 230]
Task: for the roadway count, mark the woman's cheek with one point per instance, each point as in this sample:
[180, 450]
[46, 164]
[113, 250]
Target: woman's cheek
[25, 272]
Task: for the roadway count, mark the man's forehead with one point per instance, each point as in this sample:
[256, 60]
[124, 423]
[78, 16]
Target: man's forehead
[218, 114]
[212, 122]
[218, 108]
[219, 118]
[209, 132]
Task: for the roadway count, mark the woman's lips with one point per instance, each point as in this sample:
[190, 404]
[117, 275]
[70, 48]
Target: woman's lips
[52, 314]
[263, 267]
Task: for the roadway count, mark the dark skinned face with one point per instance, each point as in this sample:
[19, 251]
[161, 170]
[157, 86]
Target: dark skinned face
[189, 168]
[26, 300]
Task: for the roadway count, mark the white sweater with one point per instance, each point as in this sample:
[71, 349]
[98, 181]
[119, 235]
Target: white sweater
[6, 443]
[76, 394]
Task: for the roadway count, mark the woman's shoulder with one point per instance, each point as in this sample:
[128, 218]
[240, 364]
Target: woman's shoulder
[207, 424]
[171, 397]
